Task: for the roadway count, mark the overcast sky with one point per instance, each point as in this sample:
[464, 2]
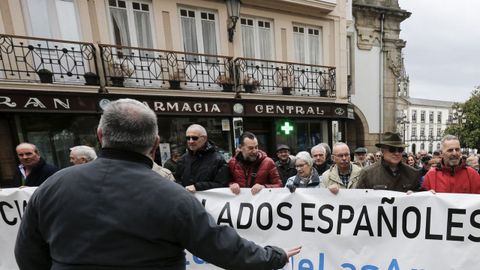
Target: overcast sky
[442, 56]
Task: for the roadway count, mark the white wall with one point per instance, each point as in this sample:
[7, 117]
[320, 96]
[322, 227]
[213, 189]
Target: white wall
[367, 87]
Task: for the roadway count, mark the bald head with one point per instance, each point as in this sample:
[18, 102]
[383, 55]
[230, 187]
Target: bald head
[28, 154]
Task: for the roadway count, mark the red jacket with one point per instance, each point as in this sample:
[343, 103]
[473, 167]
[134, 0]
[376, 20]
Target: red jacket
[267, 173]
[460, 179]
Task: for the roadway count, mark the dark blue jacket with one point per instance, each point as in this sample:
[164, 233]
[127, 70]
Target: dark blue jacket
[37, 176]
[116, 213]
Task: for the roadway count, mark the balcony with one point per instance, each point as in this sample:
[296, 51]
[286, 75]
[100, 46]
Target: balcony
[27, 59]
[275, 77]
[151, 68]
[24, 59]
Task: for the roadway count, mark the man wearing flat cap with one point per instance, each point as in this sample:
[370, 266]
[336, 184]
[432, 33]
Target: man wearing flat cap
[285, 164]
[360, 157]
[390, 173]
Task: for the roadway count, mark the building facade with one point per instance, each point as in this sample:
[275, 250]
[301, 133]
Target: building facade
[424, 122]
[280, 73]
[375, 69]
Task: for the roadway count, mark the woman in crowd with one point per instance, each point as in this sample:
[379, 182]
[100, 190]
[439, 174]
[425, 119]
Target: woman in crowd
[412, 161]
[307, 176]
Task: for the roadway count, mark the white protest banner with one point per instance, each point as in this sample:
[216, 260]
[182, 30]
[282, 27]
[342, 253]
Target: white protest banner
[354, 230]
[12, 203]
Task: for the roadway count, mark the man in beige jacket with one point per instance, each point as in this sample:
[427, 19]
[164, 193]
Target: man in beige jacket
[343, 174]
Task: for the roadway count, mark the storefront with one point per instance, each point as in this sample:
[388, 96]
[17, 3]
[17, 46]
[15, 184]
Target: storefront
[56, 121]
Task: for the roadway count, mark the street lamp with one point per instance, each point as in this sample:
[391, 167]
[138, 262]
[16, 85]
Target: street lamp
[402, 120]
[233, 10]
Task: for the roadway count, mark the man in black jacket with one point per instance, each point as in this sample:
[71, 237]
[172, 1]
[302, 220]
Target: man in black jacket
[202, 167]
[33, 170]
[116, 213]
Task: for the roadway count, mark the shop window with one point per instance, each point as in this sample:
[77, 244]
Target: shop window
[54, 135]
[172, 132]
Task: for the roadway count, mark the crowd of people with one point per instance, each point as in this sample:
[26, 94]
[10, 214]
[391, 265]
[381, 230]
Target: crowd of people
[203, 167]
[73, 200]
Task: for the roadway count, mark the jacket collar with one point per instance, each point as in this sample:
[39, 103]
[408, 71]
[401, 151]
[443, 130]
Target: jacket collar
[112, 153]
[400, 165]
[314, 179]
[452, 170]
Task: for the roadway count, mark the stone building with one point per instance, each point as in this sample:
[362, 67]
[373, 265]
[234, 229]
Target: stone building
[277, 68]
[376, 67]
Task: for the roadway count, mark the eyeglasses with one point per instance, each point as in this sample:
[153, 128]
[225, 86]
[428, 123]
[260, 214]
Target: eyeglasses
[393, 149]
[193, 138]
[300, 165]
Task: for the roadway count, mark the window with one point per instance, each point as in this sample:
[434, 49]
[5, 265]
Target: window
[430, 132]
[414, 116]
[53, 19]
[199, 30]
[257, 38]
[131, 23]
[430, 117]
[414, 133]
[308, 44]
[439, 117]
[422, 117]
[439, 132]
[422, 133]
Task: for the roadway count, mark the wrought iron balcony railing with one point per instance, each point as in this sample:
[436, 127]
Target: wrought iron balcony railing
[68, 62]
[47, 60]
[275, 77]
[151, 68]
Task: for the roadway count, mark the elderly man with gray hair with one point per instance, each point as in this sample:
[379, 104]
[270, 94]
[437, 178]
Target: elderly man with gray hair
[319, 154]
[126, 215]
[307, 176]
[343, 174]
[82, 154]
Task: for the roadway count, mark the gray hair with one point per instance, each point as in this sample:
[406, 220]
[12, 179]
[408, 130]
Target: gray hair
[318, 147]
[448, 137]
[340, 144]
[305, 156]
[199, 128]
[128, 124]
[328, 151]
[83, 151]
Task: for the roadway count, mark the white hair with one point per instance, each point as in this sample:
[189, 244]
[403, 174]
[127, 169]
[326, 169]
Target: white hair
[84, 151]
[305, 156]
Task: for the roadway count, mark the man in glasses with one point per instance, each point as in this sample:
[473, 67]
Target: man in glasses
[343, 174]
[202, 167]
[452, 175]
[390, 173]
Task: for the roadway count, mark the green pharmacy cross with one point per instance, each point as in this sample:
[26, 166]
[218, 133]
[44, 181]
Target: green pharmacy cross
[286, 128]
